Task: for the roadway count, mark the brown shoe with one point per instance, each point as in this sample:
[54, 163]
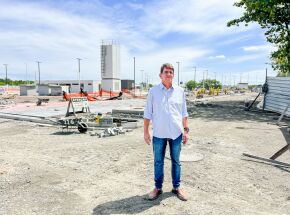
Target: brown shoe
[154, 194]
[180, 194]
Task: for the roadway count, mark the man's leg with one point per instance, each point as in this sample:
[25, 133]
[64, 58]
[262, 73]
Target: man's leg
[159, 147]
[175, 148]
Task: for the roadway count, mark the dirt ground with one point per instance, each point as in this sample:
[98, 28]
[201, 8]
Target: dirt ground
[45, 171]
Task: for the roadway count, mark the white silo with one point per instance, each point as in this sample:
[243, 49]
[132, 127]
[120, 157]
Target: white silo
[110, 66]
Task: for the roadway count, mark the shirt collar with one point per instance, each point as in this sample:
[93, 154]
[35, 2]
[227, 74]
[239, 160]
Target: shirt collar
[161, 86]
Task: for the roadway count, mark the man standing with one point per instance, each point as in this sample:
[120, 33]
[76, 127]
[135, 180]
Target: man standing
[166, 107]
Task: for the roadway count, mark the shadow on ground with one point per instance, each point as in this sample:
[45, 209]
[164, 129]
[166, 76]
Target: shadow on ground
[63, 133]
[131, 205]
[229, 111]
[286, 169]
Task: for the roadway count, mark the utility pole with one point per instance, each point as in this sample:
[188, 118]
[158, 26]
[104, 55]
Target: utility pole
[234, 80]
[142, 70]
[26, 73]
[134, 79]
[79, 64]
[203, 80]
[194, 73]
[38, 71]
[205, 76]
[6, 80]
[178, 71]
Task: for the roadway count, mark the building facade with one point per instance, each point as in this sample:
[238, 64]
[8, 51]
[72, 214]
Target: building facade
[110, 67]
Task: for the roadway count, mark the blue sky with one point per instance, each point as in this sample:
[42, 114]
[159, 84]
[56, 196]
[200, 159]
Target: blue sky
[192, 32]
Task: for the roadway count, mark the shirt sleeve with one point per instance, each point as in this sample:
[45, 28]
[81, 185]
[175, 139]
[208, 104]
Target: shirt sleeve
[184, 108]
[148, 111]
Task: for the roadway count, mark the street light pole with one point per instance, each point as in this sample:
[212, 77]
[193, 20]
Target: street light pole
[134, 77]
[6, 80]
[26, 77]
[203, 80]
[38, 71]
[178, 71]
[203, 77]
[194, 73]
[79, 64]
[141, 85]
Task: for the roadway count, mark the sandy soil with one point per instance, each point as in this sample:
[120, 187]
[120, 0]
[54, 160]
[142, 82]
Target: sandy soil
[43, 171]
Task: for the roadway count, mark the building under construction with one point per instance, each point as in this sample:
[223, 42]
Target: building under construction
[110, 66]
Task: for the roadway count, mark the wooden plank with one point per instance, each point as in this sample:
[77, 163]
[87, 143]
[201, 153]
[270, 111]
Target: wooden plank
[267, 160]
[285, 110]
[280, 152]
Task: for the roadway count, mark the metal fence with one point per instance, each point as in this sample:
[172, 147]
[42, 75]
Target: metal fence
[278, 95]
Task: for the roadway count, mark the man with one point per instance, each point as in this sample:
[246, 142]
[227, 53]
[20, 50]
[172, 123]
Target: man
[166, 107]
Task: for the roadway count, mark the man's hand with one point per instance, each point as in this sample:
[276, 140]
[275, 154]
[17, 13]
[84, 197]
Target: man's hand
[185, 138]
[147, 137]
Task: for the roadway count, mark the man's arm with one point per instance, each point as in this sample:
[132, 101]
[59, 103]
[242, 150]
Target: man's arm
[148, 111]
[147, 136]
[184, 120]
[185, 133]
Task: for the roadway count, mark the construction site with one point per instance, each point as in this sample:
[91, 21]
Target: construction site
[77, 147]
[85, 154]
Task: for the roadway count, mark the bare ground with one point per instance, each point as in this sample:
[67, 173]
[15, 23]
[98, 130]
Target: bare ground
[43, 171]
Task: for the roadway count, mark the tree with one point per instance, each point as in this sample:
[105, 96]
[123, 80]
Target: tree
[13, 82]
[191, 84]
[273, 15]
[208, 83]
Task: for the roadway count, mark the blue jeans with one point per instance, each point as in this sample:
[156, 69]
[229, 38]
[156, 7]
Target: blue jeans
[159, 148]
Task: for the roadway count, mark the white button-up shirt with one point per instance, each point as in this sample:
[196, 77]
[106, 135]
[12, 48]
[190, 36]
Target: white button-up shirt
[166, 108]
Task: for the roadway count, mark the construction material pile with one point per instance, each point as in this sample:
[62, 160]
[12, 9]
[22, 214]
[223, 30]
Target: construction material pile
[6, 102]
[108, 132]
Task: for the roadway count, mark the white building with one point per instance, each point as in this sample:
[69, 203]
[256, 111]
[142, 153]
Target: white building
[110, 67]
[28, 90]
[72, 86]
[242, 86]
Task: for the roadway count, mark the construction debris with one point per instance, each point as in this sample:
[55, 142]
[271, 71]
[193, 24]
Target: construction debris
[137, 114]
[40, 101]
[6, 102]
[108, 132]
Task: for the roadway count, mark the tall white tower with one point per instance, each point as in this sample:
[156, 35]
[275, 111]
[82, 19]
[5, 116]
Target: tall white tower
[110, 66]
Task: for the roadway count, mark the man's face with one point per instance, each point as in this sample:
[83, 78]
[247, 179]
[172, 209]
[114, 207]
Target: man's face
[167, 75]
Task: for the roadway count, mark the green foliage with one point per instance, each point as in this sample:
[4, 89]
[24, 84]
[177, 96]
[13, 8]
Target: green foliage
[13, 82]
[191, 84]
[211, 91]
[150, 85]
[208, 83]
[273, 15]
[217, 91]
[250, 87]
[199, 93]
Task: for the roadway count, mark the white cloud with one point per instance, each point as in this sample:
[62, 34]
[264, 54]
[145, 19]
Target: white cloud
[244, 58]
[207, 18]
[58, 33]
[135, 6]
[217, 57]
[259, 48]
